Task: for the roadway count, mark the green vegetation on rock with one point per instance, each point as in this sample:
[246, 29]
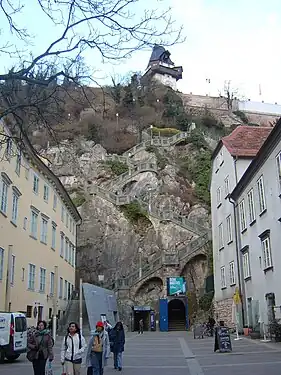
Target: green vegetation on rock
[198, 169]
[165, 132]
[205, 302]
[134, 212]
[117, 167]
[242, 116]
[79, 199]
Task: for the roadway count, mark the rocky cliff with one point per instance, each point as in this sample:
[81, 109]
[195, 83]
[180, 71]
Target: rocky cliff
[150, 201]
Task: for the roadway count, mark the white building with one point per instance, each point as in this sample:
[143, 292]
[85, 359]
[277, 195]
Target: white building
[257, 198]
[231, 158]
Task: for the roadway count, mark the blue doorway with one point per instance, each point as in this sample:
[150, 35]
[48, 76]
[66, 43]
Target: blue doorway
[163, 315]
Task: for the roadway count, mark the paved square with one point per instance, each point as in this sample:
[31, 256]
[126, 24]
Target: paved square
[177, 353]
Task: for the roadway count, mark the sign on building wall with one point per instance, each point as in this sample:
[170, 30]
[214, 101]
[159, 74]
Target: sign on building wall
[176, 286]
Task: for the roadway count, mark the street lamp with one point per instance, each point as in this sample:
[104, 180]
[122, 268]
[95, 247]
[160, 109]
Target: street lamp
[140, 263]
[117, 118]
[149, 188]
[151, 140]
[101, 279]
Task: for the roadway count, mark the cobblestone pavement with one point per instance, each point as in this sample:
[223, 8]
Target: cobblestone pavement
[177, 353]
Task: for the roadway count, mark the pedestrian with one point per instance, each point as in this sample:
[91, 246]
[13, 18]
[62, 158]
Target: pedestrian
[211, 325]
[117, 343]
[141, 326]
[40, 348]
[98, 350]
[72, 349]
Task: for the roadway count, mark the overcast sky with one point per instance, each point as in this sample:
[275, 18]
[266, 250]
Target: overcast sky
[237, 40]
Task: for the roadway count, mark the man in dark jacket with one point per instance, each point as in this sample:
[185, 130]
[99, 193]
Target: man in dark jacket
[117, 343]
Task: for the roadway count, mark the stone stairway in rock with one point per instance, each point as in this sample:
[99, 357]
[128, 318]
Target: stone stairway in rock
[111, 192]
[183, 252]
[162, 215]
[133, 171]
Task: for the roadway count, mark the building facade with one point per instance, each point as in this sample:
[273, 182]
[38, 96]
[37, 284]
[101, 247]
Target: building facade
[257, 200]
[231, 158]
[38, 225]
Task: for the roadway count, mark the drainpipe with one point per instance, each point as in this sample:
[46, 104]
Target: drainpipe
[237, 248]
[238, 259]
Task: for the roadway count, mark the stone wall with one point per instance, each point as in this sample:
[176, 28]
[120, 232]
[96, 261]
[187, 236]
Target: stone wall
[223, 311]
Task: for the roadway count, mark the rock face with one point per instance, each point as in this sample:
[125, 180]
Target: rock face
[116, 240]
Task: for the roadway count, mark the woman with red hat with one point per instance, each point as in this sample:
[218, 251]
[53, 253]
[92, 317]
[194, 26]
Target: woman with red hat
[98, 350]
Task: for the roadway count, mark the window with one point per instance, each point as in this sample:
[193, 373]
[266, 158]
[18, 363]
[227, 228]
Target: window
[218, 196]
[22, 274]
[29, 311]
[74, 257]
[73, 229]
[18, 163]
[46, 193]
[62, 245]
[226, 186]
[4, 197]
[62, 213]
[1, 263]
[267, 260]
[9, 148]
[70, 253]
[34, 223]
[66, 249]
[52, 283]
[221, 157]
[229, 229]
[242, 213]
[70, 225]
[220, 236]
[35, 184]
[42, 286]
[261, 194]
[232, 273]
[13, 265]
[44, 230]
[278, 160]
[67, 220]
[20, 324]
[25, 223]
[65, 289]
[55, 202]
[54, 234]
[223, 279]
[31, 276]
[252, 213]
[61, 287]
[246, 265]
[15, 204]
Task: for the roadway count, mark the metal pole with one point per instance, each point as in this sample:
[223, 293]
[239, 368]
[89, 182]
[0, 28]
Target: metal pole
[140, 265]
[55, 301]
[80, 304]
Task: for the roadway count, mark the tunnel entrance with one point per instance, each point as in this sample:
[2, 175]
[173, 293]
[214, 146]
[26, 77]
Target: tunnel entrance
[176, 315]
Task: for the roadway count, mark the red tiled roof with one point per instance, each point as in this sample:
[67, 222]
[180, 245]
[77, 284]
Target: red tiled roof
[246, 140]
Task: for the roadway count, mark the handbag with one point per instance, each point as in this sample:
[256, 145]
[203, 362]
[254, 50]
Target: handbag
[31, 355]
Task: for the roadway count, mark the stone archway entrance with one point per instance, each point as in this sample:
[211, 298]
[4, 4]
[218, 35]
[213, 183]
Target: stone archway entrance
[176, 315]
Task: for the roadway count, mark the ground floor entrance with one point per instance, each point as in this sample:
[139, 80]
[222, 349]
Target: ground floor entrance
[173, 314]
[141, 312]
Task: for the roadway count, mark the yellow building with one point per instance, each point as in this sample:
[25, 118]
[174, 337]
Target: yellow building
[38, 223]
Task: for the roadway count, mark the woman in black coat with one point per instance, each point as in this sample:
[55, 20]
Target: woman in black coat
[117, 343]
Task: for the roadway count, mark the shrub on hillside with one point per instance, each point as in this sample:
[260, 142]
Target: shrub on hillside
[242, 116]
[117, 167]
[165, 132]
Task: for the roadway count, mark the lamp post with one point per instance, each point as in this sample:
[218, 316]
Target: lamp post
[55, 304]
[117, 119]
[101, 279]
[151, 134]
[140, 263]
[149, 188]
[80, 304]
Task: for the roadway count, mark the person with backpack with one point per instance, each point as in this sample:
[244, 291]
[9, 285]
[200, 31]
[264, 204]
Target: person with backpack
[98, 351]
[73, 347]
[40, 348]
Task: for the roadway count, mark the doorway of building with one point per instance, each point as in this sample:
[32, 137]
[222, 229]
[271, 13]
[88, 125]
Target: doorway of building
[138, 315]
[176, 315]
